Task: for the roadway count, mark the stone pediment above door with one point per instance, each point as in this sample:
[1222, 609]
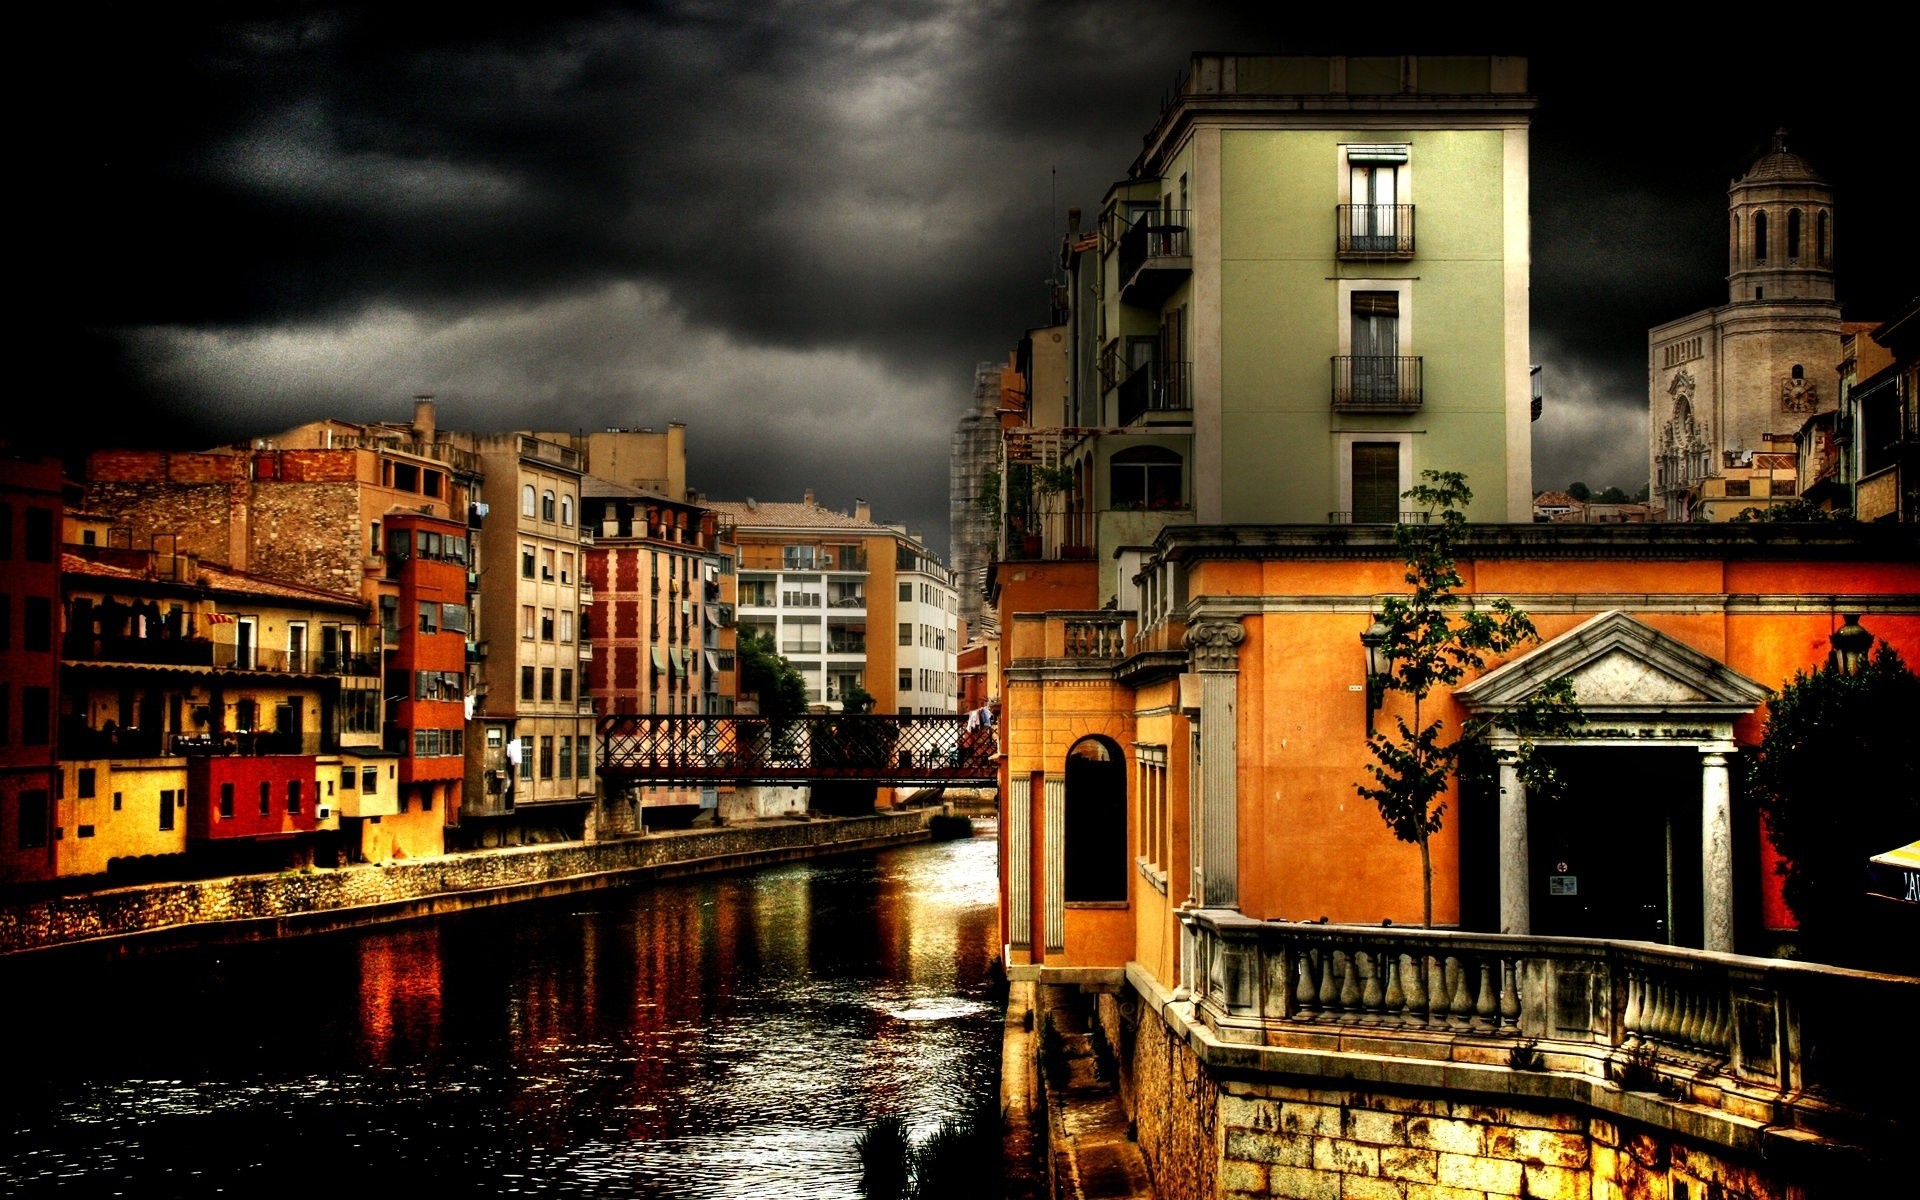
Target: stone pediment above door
[1620, 666]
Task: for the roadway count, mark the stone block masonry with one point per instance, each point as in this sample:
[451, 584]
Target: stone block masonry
[1225, 1130]
[254, 907]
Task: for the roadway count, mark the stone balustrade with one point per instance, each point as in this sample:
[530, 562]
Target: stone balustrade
[1098, 636]
[1762, 1039]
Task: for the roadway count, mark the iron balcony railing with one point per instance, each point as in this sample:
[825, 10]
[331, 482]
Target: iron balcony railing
[1374, 232]
[1158, 235]
[1155, 387]
[1377, 383]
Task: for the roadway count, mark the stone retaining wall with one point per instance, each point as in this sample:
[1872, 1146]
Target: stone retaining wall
[1220, 1132]
[257, 906]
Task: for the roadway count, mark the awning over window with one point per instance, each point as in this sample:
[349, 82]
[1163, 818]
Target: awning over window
[1896, 874]
[659, 659]
[1376, 154]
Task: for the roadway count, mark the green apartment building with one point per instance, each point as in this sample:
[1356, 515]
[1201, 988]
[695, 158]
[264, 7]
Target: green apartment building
[1311, 286]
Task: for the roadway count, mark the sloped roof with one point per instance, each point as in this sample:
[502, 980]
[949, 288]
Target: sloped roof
[751, 514]
[211, 577]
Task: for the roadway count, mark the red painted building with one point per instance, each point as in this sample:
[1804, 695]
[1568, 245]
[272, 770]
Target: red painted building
[425, 626]
[30, 519]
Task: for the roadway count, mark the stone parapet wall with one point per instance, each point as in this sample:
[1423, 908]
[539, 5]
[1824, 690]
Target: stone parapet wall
[1215, 1125]
[255, 906]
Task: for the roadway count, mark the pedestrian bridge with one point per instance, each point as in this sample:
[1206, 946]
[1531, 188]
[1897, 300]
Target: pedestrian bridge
[921, 750]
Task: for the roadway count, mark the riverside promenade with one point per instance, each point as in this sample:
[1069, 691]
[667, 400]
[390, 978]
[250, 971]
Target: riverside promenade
[255, 907]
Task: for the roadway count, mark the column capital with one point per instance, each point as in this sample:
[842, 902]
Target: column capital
[1215, 645]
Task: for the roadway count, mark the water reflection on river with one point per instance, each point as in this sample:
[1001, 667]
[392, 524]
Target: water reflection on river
[719, 1037]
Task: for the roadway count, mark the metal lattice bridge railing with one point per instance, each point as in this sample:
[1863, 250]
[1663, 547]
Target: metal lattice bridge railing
[930, 749]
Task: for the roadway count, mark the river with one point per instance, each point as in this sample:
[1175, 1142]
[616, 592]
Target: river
[726, 1036]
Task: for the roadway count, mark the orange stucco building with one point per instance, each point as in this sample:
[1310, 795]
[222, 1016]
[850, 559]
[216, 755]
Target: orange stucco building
[1198, 747]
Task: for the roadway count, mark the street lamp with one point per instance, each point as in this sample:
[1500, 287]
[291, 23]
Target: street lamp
[1850, 645]
[1375, 641]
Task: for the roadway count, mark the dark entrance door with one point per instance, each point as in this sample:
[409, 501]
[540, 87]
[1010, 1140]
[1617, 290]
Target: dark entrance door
[1618, 856]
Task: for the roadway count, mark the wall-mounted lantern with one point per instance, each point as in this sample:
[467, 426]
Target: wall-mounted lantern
[1850, 642]
[1375, 641]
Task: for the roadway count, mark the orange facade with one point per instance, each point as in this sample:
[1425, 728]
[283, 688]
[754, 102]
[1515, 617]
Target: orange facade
[1240, 708]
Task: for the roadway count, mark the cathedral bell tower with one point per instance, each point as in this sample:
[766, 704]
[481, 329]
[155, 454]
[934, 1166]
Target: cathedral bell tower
[1729, 388]
[1779, 230]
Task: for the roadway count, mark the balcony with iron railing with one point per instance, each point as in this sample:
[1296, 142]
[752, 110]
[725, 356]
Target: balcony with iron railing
[1374, 232]
[1157, 387]
[1155, 256]
[1377, 383]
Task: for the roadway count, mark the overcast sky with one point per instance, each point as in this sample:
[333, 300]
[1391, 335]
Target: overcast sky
[797, 227]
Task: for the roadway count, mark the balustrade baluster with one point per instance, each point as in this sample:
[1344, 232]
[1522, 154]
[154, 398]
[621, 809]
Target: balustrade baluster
[1509, 993]
[1665, 1021]
[1630, 1021]
[1329, 983]
[1305, 994]
[1416, 975]
[1487, 1005]
[1460, 1003]
[1372, 995]
[1722, 1035]
[1349, 986]
[1690, 1020]
[1439, 998]
[1395, 997]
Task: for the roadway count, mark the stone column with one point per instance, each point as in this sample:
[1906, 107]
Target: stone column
[1054, 915]
[1019, 864]
[1215, 647]
[1515, 885]
[1716, 849]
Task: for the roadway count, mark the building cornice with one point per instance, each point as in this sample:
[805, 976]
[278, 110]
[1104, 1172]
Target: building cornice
[1756, 541]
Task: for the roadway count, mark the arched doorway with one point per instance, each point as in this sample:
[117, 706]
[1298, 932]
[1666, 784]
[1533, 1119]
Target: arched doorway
[1094, 841]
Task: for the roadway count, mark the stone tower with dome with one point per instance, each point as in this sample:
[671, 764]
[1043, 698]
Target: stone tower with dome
[1728, 386]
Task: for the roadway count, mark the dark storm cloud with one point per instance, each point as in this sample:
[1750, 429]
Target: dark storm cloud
[796, 227]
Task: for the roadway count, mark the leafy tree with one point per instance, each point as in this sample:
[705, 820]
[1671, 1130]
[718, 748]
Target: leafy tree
[782, 691]
[1433, 640]
[1797, 509]
[1838, 779]
[1579, 491]
[1611, 495]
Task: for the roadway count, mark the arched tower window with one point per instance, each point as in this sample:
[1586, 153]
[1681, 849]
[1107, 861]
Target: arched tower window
[1793, 236]
[1760, 237]
[1094, 851]
[1799, 372]
[1821, 232]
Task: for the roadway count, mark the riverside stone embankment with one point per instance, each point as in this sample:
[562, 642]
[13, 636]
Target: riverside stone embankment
[253, 907]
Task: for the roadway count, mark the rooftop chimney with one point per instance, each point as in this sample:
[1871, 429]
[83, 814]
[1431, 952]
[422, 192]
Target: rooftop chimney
[808, 500]
[423, 419]
[862, 511]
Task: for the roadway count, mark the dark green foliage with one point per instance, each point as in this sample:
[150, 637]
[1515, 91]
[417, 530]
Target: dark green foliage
[1797, 509]
[1579, 491]
[948, 827]
[1610, 495]
[1638, 1070]
[763, 672]
[1524, 1055]
[1838, 778]
[1435, 640]
[960, 1158]
[886, 1157]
